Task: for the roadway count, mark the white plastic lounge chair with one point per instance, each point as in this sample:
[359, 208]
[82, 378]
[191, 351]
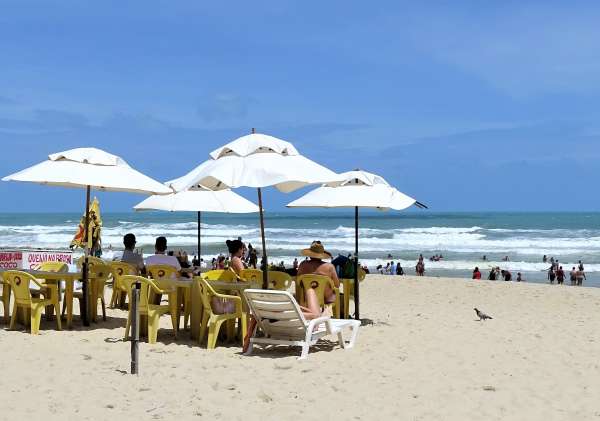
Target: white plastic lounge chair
[278, 315]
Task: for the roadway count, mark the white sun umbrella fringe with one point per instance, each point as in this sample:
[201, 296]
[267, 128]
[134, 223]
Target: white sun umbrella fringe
[199, 200]
[356, 189]
[89, 168]
[256, 160]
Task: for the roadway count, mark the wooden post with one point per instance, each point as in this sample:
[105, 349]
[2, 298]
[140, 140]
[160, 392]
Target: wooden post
[265, 283]
[85, 290]
[135, 328]
[356, 281]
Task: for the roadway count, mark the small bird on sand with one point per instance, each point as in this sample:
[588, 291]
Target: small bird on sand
[481, 315]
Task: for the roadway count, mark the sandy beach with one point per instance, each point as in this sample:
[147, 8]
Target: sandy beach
[424, 357]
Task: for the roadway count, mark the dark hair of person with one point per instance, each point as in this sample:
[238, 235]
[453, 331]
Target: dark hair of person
[161, 244]
[129, 241]
[234, 246]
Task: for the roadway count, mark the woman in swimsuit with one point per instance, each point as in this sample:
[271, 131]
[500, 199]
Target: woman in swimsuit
[315, 265]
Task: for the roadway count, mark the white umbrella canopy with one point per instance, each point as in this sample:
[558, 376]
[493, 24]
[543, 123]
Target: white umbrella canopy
[356, 189]
[256, 160]
[199, 201]
[92, 167]
[224, 201]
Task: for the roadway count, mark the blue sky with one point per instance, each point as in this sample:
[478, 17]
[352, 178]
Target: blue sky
[463, 105]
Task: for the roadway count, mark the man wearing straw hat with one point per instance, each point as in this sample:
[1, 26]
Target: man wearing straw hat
[315, 265]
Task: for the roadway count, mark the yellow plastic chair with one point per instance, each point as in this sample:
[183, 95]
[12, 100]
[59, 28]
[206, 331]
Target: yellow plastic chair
[162, 276]
[212, 320]
[224, 275]
[118, 269]
[91, 261]
[5, 299]
[151, 312]
[281, 281]
[51, 290]
[349, 291]
[251, 275]
[98, 273]
[32, 307]
[318, 283]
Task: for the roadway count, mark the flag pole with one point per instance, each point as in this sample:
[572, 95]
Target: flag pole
[84, 267]
[356, 288]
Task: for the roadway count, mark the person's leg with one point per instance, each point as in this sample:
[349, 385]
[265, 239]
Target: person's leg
[312, 309]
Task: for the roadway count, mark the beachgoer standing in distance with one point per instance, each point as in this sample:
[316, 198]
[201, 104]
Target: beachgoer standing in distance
[560, 276]
[573, 276]
[551, 274]
[580, 266]
[580, 276]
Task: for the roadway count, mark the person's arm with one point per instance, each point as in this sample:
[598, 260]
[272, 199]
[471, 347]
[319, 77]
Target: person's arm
[333, 276]
[176, 263]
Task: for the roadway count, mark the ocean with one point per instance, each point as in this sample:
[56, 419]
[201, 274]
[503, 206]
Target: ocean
[462, 238]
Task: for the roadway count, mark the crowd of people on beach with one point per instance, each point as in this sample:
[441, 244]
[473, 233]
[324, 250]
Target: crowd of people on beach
[554, 273]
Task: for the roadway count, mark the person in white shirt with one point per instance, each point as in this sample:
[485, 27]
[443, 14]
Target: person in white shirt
[160, 257]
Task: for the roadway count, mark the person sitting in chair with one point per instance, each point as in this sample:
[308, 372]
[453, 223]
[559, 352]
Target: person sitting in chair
[160, 257]
[315, 265]
[129, 255]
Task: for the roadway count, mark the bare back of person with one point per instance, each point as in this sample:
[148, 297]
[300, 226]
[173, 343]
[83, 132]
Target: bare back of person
[317, 267]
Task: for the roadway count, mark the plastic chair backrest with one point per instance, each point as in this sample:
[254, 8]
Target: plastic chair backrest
[277, 313]
[91, 261]
[279, 280]
[316, 282]
[224, 275]
[122, 268]
[129, 281]
[99, 273]
[54, 267]
[159, 272]
[19, 281]
[251, 275]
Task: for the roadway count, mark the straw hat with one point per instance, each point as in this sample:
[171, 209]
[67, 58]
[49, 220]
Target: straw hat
[316, 251]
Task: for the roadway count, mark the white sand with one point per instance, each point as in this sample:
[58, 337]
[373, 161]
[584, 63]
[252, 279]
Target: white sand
[424, 358]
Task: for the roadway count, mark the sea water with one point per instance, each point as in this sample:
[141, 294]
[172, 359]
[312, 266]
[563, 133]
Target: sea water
[462, 238]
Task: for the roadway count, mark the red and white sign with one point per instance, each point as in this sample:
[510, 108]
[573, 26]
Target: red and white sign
[11, 260]
[32, 259]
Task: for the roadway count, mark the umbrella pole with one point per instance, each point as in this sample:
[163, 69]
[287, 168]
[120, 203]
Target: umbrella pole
[265, 284]
[199, 236]
[356, 288]
[84, 267]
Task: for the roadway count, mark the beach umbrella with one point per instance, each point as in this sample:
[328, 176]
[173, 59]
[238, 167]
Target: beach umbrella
[356, 189]
[255, 160]
[200, 200]
[89, 168]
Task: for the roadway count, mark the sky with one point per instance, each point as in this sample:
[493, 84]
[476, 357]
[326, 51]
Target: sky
[464, 105]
